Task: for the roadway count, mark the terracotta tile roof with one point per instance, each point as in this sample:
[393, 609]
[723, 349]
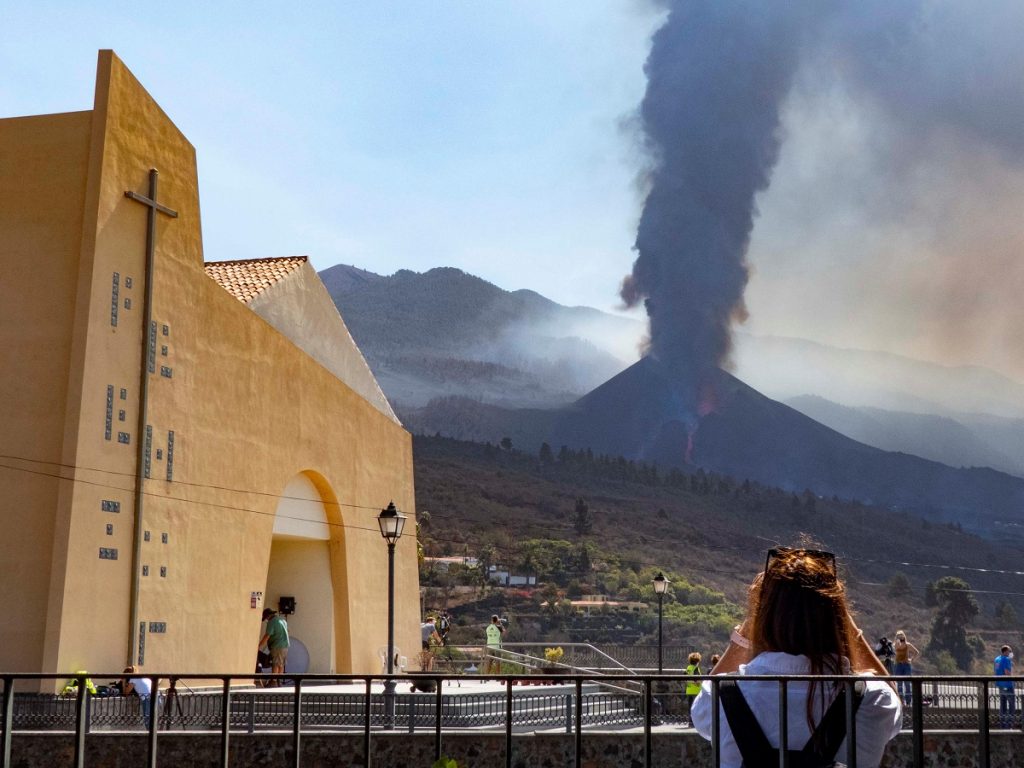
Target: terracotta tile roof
[247, 279]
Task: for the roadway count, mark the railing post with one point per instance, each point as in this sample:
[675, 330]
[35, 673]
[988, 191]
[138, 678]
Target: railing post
[918, 722]
[80, 723]
[716, 726]
[579, 722]
[983, 734]
[508, 722]
[783, 725]
[154, 705]
[569, 717]
[851, 726]
[366, 726]
[225, 723]
[438, 703]
[648, 740]
[297, 724]
[252, 713]
[5, 753]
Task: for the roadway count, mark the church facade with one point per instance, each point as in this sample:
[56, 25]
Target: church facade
[181, 444]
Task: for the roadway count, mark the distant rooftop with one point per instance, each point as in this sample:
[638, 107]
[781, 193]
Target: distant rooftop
[246, 279]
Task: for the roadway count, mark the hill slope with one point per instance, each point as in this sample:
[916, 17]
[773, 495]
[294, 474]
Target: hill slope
[709, 529]
[959, 441]
[747, 436]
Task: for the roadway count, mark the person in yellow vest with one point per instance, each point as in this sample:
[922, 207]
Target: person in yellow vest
[71, 689]
[494, 632]
[692, 686]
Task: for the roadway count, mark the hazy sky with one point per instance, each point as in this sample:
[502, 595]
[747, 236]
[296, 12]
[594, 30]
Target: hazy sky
[499, 137]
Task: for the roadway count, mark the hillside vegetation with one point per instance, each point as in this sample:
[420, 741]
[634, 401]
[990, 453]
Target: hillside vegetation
[707, 532]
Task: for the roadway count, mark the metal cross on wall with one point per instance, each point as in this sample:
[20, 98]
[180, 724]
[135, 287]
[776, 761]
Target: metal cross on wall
[148, 341]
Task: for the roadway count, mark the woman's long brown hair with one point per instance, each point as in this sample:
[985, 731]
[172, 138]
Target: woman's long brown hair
[798, 606]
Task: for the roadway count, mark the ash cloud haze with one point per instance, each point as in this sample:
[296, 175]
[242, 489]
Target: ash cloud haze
[897, 128]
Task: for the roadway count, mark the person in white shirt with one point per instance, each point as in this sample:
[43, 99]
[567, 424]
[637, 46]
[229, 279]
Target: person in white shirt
[798, 623]
[143, 688]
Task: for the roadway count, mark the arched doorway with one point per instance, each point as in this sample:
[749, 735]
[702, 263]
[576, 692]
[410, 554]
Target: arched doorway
[300, 567]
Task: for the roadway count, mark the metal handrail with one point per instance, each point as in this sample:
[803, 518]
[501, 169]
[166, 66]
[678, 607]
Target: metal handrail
[570, 670]
[587, 646]
[302, 693]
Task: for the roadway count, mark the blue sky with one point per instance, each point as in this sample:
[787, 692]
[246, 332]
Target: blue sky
[498, 137]
[483, 135]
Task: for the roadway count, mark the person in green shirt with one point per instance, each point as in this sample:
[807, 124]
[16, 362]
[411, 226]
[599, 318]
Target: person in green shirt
[276, 639]
[494, 632]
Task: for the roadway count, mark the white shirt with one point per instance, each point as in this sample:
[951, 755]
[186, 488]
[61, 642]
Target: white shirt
[879, 717]
[142, 685]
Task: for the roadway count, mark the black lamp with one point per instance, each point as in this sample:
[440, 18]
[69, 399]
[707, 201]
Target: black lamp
[660, 587]
[392, 523]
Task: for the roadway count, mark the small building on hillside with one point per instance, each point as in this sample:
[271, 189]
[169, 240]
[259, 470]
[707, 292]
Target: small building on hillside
[183, 443]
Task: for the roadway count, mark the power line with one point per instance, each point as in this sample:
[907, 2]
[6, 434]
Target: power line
[79, 468]
[443, 517]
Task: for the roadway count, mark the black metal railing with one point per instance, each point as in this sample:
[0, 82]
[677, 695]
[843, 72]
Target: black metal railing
[573, 703]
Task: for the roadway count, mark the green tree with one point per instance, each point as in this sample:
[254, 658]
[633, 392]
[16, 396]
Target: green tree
[506, 443]
[1006, 616]
[945, 664]
[484, 562]
[581, 520]
[899, 585]
[956, 608]
[546, 456]
[583, 559]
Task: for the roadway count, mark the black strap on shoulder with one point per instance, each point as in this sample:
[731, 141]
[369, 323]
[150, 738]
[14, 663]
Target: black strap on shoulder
[830, 732]
[753, 744]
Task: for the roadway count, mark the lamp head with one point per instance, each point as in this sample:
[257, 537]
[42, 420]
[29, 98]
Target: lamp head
[660, 583]
[392, 523]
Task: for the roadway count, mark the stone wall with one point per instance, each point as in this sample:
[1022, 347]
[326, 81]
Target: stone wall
[471, 750]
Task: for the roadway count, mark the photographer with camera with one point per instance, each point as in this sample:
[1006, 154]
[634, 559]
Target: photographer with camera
[885, 651]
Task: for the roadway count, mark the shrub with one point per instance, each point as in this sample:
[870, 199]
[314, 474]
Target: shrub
[553, 655]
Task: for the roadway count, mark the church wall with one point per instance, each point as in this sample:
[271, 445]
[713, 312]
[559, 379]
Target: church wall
[88, 607]
[43, 162]
[249, 410]
[300, 307]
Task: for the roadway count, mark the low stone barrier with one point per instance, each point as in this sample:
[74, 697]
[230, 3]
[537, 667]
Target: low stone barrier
[607, 749]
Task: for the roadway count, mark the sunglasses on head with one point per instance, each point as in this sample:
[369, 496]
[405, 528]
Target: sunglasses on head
[829, 557]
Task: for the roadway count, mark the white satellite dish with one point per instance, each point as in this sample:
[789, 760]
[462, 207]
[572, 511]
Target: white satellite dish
[298, 656]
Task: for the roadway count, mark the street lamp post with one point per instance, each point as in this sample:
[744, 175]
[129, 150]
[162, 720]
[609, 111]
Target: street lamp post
[660, 585]
[391, 523]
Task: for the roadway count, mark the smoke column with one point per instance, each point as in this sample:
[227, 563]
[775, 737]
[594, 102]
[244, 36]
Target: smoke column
[716, 76]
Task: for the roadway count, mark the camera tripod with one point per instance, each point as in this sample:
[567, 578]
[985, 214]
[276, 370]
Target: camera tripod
[172, 705]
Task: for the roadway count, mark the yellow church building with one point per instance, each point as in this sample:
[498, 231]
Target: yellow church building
[181, 444]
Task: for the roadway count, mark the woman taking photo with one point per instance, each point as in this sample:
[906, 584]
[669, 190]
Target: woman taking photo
[905, 654]
[798, 623]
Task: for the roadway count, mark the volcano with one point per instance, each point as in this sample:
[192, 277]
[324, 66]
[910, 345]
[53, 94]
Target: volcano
[639, 414]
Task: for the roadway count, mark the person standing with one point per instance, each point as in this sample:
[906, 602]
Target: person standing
[263, 652]
[494, 633]
[277, 642]
[798, 623]
[430, 639]
[692, 686]
[141, 687]
[905, 654]
[1007, 695]
[885, 651]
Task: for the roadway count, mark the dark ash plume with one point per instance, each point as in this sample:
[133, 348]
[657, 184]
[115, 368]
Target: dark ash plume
[717, 73]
